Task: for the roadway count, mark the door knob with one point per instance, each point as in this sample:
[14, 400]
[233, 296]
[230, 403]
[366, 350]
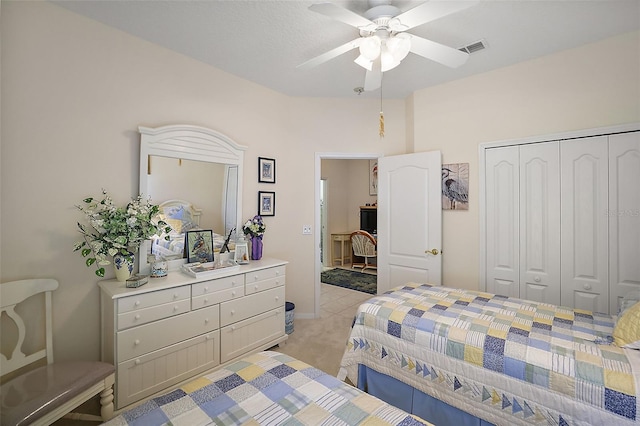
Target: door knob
[432, 251]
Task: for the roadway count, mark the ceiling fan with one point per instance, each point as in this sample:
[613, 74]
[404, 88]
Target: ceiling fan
[383, 42]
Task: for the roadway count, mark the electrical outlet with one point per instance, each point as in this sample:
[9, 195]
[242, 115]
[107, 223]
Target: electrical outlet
[306, 229]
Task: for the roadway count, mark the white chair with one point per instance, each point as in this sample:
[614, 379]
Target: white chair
[42, 395]
[364, 246]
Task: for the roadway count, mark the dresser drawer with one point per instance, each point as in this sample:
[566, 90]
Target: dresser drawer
[146, 315]
[142, 376]
[253, 304]
[264, 285]
[213, 286]
[138, 341]
[209, 299]
[264, 274]
[241, 337]
[146, 300]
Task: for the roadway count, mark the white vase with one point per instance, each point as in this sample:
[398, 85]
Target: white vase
[123, 265]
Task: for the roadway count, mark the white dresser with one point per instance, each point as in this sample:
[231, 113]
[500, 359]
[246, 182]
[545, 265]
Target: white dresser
[175, 328]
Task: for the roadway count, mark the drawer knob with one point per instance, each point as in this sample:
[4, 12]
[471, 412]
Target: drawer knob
[233, 283]
[206, 289]
[206, 321]
[277, 273]
[233, 293]
[137, 303]
[175, 308]
[255, 277]
[277, 297]
[175, 295]
[137, 362]
[137, 317]
[537, 279]
[587, 286]
[207, 337]
[206, 300]
[277, 282]
[233, 312]
[255, 287]
[136, 342]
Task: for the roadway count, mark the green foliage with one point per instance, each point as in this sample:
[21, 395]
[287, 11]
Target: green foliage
[114, 229]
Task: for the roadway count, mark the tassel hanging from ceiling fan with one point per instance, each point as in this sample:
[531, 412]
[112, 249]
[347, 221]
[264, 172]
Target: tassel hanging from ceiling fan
[381, 128]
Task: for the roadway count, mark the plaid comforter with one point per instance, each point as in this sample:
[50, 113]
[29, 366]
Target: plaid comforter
[267, 388]
[506, 360]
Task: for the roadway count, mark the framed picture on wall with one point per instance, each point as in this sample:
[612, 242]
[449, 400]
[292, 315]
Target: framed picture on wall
[455, 186]
[266, 203]
[266, 170]
[373, 177]
[199, 246]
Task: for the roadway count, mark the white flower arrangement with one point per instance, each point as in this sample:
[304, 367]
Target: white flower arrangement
[115, 229]
[254, 227]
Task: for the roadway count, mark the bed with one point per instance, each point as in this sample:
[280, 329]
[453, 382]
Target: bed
[266, 388]
[466, 357]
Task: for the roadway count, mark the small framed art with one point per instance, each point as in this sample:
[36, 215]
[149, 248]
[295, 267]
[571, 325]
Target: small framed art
[373, 177]
[266, 170]
[266, 203]
[199, 245]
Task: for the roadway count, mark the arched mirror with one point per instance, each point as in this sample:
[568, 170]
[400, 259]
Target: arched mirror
[195, 175]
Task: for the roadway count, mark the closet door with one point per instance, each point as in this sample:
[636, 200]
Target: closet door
[584, 224]
[540, 222]
[624, 216]
[502, 216]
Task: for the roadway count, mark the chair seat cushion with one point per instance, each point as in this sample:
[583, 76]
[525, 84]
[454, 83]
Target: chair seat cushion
[35, 393]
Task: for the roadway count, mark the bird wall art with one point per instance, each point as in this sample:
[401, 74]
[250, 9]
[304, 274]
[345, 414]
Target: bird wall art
[455, 186]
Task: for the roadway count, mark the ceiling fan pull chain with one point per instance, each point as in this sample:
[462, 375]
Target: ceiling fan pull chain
[381, 114]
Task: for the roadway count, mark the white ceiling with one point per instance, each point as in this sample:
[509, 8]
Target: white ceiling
[263, 41]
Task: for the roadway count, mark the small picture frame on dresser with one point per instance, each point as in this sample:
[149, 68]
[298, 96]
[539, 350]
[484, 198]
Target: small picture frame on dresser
[266, 170]
[199, 246]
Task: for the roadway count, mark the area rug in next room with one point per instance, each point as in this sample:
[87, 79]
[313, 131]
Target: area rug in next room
[350, 279]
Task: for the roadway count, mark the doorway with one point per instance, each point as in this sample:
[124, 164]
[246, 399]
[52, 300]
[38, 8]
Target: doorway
[322, 239]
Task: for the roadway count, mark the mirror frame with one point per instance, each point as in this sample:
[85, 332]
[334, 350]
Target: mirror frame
[187, 142]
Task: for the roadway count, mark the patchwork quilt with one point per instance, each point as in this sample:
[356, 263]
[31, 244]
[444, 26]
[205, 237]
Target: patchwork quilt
[267, 388]
[506, 360]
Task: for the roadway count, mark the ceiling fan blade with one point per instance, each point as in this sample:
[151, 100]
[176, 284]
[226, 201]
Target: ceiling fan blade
[341, 14]
[430, 11]
[373, 78]
[333, 53]
[438, 52]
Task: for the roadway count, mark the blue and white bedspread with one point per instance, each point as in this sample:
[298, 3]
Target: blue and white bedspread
[267, 388]
[505, 360]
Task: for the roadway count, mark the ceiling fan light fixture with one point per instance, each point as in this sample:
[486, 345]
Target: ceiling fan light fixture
[399, 46]
[370, 47]
[387, 61]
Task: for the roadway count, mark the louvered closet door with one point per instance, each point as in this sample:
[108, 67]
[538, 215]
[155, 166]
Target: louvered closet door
[624, 216]
[502, 215]
[584, 223]
[540, 222]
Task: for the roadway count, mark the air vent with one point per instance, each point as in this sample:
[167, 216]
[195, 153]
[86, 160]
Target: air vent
[474, 47]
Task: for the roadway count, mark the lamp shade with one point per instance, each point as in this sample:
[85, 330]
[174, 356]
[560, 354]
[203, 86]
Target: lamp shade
[370, 47]
[399, 46]
[391, 49]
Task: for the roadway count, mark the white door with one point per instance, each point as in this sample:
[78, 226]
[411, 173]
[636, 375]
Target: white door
[540, 222]
[584, 223]
[409, 219]
[624, 216]
[502, 224]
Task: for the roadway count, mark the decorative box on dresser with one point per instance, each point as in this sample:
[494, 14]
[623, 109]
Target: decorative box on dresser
[177, 327]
